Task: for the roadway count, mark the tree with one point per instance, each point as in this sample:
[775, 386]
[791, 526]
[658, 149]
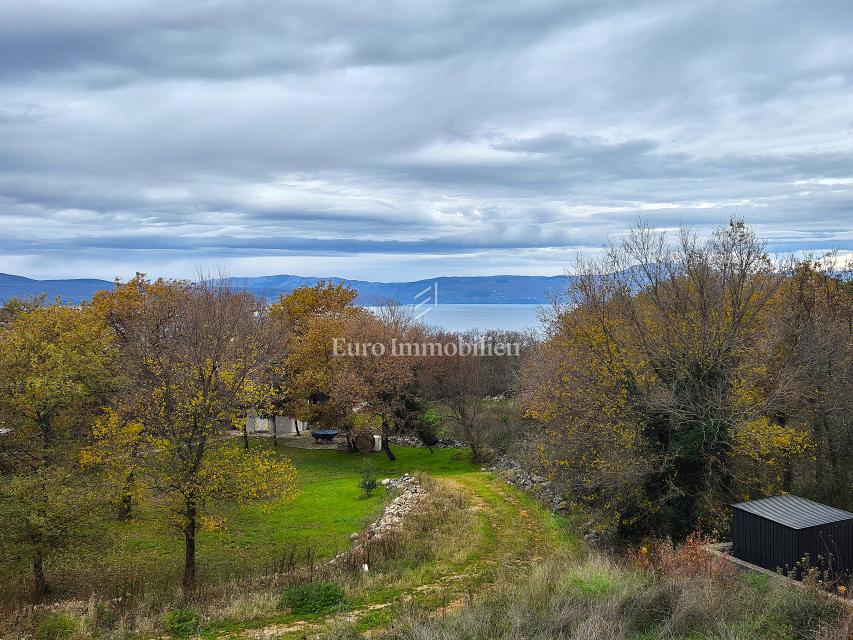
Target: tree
[461, 384]
[308, 320]
[192, 352]
[657, 367]
[374, 377]
[55, 365]
[14, 306]
[810, 377]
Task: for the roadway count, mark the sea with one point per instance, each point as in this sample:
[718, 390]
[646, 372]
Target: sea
[466, 317]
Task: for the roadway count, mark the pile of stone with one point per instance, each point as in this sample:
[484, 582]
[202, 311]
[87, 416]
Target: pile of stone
[413, 441]
[409, 494]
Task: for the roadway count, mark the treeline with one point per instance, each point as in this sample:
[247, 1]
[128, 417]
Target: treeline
[679, 377]
[673, 379]
[133, 397]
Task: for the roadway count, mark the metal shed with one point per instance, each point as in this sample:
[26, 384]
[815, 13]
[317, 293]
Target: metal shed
[776, 533]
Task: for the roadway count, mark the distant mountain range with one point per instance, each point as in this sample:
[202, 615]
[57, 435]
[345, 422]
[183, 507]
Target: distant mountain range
[71, 291]
[449, 290]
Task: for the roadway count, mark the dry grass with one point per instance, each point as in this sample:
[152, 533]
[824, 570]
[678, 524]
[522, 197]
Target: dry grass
[599, 598]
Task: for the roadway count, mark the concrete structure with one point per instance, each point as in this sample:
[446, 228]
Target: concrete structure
[281, 425]
[286, 425]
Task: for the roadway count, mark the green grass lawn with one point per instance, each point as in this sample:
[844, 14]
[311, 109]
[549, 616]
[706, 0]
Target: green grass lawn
[318, 521]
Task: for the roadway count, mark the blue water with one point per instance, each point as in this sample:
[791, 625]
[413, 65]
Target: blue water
[463, 317]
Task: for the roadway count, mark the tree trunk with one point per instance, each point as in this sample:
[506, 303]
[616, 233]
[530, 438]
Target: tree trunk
[245, 437]
[475, 452]
[386, 447]
[125, 507]
[189, 545]
[788, 476]
[40, 586]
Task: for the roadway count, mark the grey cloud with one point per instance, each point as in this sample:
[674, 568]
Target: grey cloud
[219, 130]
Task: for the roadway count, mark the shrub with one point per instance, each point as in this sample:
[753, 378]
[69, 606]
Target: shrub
[56, 626]
[427, 428]
[807, 610]
[687, 559]
[312, 598]
[180, 622]
[368, 479]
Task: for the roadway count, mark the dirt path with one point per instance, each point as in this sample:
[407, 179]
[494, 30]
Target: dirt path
[515, 533]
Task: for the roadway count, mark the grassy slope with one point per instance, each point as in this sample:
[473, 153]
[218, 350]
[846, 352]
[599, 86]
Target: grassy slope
[326, 510]
[506, 533]
[541, 581]
[542, 584]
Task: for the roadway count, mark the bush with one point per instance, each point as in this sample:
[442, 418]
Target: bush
[427, 428]
[56, 626]
[807, 610]
[312, 598]
[368, 479]
[180, 622]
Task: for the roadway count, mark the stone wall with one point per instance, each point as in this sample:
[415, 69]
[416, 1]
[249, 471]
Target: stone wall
[409, 495]
[540, 488]
[413, 441]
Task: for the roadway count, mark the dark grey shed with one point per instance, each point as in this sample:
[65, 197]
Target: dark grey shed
[778, 532]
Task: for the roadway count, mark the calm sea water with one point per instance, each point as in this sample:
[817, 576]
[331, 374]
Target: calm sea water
[462, 317]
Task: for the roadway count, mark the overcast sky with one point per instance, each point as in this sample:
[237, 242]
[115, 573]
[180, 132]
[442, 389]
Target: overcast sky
[399, 140]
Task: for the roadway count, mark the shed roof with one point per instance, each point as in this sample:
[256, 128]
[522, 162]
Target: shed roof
[794, 512]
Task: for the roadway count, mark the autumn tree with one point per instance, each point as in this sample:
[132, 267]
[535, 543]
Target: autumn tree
[653, 371]
[460, 383]
[309, 319]
[810, 377]
[14, 306]
[191, 352]
[55, 372]
[374, 377]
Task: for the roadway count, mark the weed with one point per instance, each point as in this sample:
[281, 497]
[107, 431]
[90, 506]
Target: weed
[180, 622]
[368, 482]
[312, 598]
[56, 626]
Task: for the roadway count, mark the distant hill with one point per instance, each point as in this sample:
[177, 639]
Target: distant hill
[71, 291]
[451, 290]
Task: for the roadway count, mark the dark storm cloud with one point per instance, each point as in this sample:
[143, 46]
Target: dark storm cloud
[493, 133]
